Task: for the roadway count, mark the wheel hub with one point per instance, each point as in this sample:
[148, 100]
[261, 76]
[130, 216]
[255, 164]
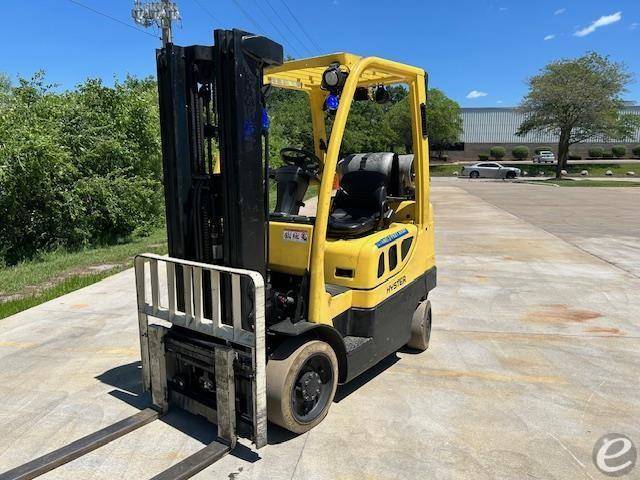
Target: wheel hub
[310, 385]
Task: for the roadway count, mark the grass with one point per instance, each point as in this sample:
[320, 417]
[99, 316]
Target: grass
[312, 191]
[60, 272]
[594, 169]
[56, 273]
[567, 182]
[66, 286]
[444, 170]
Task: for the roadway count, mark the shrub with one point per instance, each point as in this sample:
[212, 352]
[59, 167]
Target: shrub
[520, 152]
[573, 156]
[607, 155]
[596, 152]
[483, 157]
[114, 206]
[636, 150]
[619, 152]
[540, 149]
[77, 168]
[498, 152]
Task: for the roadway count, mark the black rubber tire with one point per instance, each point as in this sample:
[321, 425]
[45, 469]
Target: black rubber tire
[474, 175]
[421, 327]
[511, 175]
[283, 371]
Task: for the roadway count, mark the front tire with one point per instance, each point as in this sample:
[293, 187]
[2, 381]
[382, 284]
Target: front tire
[421, 327]
[301, 384]
[474, 175]
[511, 175]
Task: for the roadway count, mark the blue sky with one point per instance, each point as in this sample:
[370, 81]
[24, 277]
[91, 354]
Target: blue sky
[478, 51]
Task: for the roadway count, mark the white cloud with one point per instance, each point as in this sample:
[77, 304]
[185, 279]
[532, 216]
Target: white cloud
[560, 11]
[476, 94]
[634, 25]
[601, 22]
[499, 102]
[549, 37]
[503, 9]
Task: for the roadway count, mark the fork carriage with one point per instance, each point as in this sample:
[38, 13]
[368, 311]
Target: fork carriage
[201, 363]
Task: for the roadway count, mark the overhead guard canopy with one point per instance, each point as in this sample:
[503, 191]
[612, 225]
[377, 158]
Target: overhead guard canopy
[306, 74]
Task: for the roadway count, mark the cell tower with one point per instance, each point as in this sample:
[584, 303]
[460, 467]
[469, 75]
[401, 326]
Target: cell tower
[160, 14]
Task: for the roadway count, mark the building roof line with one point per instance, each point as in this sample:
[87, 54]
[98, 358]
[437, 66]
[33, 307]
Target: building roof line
[499, 125]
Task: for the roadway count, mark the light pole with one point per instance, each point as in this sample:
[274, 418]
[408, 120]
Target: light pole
[160, 13]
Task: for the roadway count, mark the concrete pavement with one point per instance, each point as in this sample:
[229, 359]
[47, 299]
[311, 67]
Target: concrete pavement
[604, 221]
[533, 357]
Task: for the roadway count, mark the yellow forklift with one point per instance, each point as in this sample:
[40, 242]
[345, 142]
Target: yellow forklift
[365, 262]
[258, 315]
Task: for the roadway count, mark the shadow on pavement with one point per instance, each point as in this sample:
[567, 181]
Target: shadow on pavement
[347, 389]
[126, 380]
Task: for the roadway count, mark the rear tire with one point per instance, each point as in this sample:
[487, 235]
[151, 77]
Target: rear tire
[421, 327]
[301, 384]
[474, 175]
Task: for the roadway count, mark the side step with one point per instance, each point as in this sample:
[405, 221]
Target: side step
[81, 447]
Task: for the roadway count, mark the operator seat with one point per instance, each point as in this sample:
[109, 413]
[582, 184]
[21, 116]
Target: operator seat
[359, 205]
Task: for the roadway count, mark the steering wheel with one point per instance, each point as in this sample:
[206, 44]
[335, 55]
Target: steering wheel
[303, 159]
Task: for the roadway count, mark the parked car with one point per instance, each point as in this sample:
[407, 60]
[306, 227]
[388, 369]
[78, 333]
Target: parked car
[489, 170]
[545, 156]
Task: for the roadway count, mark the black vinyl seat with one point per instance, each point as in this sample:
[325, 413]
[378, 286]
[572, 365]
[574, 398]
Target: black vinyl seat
[360, 204]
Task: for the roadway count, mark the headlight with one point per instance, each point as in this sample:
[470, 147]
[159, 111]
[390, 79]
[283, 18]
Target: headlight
[333, 79]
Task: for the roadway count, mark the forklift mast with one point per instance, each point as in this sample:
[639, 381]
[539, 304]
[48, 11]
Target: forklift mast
[211, 116]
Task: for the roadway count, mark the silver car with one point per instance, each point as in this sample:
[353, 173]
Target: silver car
[489, 170]
[545, 156]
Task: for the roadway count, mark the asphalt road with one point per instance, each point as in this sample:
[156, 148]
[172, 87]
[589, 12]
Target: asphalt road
[533, 357]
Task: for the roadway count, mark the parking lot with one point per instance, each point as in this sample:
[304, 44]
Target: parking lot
[534, 356]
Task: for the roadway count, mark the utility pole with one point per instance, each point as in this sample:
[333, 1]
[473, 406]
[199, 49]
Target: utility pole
[159, 13]
[166, 23]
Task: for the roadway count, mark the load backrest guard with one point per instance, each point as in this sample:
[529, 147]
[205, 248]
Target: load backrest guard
[157, 299]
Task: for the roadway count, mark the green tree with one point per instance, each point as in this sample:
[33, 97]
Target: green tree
[5, 89]
[444, 123]
[399, 121]
[5, 83]
[291, 126]
[577, 100]
[77, 167]
[367, 129]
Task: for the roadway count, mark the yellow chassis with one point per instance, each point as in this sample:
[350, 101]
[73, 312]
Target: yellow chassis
[322, 256]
